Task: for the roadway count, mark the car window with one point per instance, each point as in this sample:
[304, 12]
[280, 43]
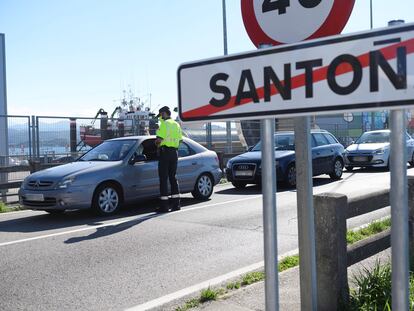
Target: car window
[320, 139]
[330, 139]
[282, 142]
[374, 137]
[149, 149]
[184, 150]
[111, 150]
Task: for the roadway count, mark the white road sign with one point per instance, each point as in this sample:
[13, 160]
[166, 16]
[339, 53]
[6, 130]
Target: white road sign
[367, 70]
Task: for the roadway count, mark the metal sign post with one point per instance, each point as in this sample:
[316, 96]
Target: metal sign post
[267, 133]
[399, 208]
[269, 214]
[4, 151]
[306, 223]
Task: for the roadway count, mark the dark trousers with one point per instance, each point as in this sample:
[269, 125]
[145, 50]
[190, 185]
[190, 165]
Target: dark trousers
[167, 169]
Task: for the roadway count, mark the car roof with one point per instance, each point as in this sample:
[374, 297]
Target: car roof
[140, 138]
[292, 132]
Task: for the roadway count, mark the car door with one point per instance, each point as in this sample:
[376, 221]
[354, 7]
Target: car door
[321, 154]
[142, 177]
[188, 167]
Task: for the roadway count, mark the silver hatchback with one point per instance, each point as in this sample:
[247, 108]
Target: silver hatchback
[372, 149]
[115, 172]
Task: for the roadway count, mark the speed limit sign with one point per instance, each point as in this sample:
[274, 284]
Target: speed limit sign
[288, 21]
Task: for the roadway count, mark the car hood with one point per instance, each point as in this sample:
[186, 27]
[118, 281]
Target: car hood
[366, 147]
[257, 155]
[73, 168]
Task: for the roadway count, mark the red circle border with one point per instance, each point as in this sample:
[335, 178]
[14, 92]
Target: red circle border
[333, 25]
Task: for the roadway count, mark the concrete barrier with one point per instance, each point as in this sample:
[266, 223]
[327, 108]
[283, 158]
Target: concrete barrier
[333, 257]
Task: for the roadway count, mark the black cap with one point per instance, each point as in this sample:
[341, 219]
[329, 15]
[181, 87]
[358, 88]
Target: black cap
[164, 109]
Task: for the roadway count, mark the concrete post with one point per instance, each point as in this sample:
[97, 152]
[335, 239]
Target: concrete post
[331, 252]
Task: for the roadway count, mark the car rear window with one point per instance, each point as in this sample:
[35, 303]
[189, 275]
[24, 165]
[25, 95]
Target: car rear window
[320, 139]
[331, 139]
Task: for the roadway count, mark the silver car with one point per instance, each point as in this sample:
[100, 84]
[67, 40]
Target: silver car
[372, 149]
[118, 171]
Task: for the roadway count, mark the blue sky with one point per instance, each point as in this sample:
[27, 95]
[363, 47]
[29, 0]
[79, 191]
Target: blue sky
[70, 58]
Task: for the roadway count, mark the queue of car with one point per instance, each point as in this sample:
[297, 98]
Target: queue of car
[123, 170]
[327, 158]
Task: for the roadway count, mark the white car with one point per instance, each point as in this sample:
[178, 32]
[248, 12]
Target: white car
[372, 149]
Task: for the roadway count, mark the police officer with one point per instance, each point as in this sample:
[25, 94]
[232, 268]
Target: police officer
[169, 136]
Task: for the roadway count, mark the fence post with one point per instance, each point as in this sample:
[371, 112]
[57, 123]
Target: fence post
[331, 252]
[72, 131]
[411, 220]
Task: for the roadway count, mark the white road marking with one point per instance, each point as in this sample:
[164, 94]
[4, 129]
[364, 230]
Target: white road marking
[198, 287]
[120, 222]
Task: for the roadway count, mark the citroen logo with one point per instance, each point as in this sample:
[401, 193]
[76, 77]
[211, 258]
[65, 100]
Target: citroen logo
[37, 184]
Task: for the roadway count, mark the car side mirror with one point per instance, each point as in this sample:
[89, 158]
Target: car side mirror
[352, 142]
[138, 158]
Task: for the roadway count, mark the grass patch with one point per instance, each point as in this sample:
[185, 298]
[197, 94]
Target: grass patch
[233, 285]
[193, 303]
[4, 208]
[252, 277]
[288, 262]
[209, 294]
[369, 286]
[373, 228]
[223, 180]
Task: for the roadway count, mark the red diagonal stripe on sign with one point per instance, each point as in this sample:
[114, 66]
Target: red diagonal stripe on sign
[298, 81]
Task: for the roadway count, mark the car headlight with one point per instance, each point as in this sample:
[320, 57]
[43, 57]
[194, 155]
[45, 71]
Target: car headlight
[379, 151]
[23, 185]
[66, 182]
[228, 165]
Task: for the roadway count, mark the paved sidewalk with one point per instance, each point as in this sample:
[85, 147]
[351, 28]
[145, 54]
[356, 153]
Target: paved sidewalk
[251, 297]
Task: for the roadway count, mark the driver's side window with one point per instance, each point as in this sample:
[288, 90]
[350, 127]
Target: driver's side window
[149, 149]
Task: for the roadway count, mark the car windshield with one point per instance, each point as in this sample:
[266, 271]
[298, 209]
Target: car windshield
[372, 138]
[112, 150]
[282, 142]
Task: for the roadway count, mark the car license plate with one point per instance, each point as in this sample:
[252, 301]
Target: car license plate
[35, 197]
[243, 173]
[360, 159]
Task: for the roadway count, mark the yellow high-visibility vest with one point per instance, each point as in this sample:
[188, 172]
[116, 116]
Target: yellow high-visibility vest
[170, 133]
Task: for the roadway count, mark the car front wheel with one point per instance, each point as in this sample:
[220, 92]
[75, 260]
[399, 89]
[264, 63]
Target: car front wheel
[338, 167]
[203, 187]
[106, 200]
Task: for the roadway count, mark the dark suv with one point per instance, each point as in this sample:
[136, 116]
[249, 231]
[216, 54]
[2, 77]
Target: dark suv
[327, 158]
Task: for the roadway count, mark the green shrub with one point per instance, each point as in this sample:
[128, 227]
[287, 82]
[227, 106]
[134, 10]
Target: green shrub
[372, 290]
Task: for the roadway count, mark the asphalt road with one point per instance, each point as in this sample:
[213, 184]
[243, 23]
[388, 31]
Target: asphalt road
[77, 261]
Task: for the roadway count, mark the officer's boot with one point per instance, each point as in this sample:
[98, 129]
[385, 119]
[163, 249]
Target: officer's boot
[175, 203]
[164, 207]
